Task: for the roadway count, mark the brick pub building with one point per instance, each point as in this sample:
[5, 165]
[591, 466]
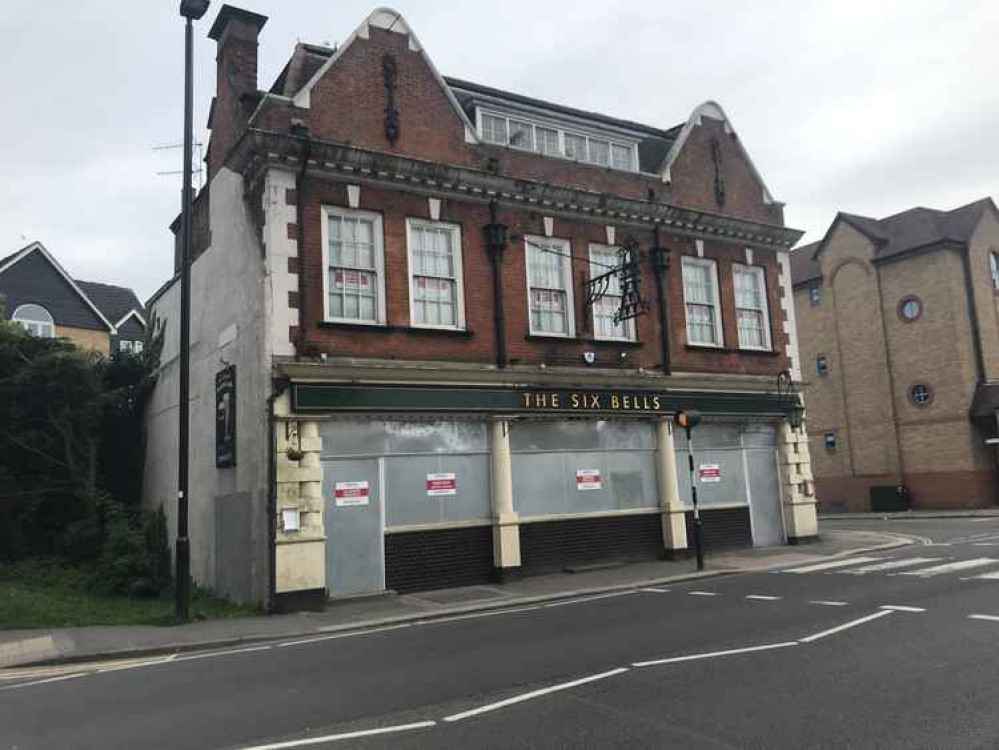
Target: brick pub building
[396, 361]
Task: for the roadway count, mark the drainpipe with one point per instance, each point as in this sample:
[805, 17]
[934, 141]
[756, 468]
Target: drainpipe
[279, 387]
[301, 129]
[660, 262]
[976, 331]
[496, 240]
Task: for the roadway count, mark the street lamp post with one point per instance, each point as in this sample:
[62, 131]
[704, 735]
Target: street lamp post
[688, 420]
[191, 10]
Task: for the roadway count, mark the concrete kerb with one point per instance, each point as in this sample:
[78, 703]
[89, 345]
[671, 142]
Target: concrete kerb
[439, 614]
[915, 515]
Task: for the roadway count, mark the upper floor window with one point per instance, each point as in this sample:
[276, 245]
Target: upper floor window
[551, 140]
[604, 258]
[130, 346]
[815, 293]
[36, 320]
[435, 285]
[822, 365]
[700, 294]
[549, 282]
[994, 268]
[353, 256]
[752, 315]
[910, 308]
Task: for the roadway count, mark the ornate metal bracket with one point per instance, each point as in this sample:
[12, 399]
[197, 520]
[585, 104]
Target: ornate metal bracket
[629, 275]
[390, 76]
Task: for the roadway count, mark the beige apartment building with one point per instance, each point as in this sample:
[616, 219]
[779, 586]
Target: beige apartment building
[898, 324]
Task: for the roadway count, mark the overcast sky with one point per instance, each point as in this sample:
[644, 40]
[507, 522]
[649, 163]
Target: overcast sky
[871, 107]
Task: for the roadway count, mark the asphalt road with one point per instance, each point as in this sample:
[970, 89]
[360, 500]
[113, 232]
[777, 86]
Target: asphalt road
[819, 663]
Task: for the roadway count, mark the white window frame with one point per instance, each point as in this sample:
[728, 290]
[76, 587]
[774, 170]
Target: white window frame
[379, 242]
[994, 268]
[719, 342]
[530, 245]
[534, 122]
[761, 275]
[459, 277]
[596, 270]
[46, 328]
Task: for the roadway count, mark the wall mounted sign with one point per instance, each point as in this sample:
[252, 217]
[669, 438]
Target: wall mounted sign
[442, 485]
[709, 473]
[225, 417]
[351, 493]
[588, 479]
[315, 397]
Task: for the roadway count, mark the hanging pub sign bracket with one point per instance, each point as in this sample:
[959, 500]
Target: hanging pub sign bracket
[628, 277]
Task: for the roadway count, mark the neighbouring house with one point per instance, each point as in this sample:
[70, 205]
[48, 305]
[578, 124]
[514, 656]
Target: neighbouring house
[445, 329]
[40, 295]
[898, 322]
[120, 305]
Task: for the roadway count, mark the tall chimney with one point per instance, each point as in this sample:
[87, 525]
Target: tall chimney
[235, 30]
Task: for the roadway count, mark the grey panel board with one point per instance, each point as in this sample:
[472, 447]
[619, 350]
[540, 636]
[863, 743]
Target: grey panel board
[406, 499]
[765, 502]
[234, 546]
[360, 437]
[354, 534]
[581, 435]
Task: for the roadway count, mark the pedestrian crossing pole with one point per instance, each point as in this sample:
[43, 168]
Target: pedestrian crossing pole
[688, 420]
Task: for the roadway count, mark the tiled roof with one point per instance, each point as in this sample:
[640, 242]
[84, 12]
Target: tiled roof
[114, 301]
[898, 234]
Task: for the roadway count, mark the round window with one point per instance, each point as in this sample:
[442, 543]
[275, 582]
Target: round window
[921, 394]
[910, 308]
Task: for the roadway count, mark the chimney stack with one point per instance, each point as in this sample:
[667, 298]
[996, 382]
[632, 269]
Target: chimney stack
[235, 31]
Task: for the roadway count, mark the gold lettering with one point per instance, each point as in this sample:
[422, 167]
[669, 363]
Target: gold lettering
[555, 404]
[575, 400]
[527, 399]
[626, 401]
[541, 400]
[595, 401]
[655, 402]
[615, 402]
[645, 403]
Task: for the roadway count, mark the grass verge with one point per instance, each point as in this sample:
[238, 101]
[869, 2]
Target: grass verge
[45, 593]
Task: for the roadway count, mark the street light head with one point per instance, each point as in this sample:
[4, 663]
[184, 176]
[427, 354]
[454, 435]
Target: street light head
[795, 415]
[193, 9]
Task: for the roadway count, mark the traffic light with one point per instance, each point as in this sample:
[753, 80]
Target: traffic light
[687, 419]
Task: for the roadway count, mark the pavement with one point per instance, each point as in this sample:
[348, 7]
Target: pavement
[891, 648]
[68, 645]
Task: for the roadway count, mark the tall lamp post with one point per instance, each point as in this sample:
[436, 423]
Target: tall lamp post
[191, 10]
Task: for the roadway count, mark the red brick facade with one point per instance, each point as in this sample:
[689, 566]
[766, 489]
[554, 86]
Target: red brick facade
[347, 106]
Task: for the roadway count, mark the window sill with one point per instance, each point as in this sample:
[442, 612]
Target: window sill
[549, 338]
[415, 330]
[727, 350]
[615, 343]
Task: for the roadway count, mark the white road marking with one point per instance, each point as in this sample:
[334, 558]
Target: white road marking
[345, 736]
[148, 663]
[42, 682]
[988, 576]
[892, 565]
[950, 567]
[474, 615]
[351, 634]
[939, 544]
[533, 694]
[222, 653]
[845, 626]
[985, 544]
[654, 590]
[830, 565]
[713, 654]
[702, 593]
[990, 618]
[901, 608]
[829, 604]
[591, 598]
[763, 598]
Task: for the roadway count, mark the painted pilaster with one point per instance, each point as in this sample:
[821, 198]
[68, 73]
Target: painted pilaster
[798, 485]
[673, 517]
[506, 523]
[300, 554]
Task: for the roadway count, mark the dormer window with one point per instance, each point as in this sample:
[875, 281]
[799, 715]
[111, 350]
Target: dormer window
[549, 139]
